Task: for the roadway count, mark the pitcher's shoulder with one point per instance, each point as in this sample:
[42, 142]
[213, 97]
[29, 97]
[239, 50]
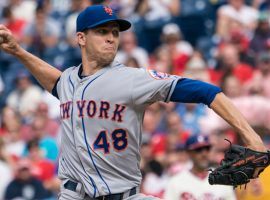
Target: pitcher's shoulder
[70, 70]
[125, 68]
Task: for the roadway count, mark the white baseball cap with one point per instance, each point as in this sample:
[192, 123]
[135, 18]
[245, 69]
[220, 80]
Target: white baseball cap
[171, 28]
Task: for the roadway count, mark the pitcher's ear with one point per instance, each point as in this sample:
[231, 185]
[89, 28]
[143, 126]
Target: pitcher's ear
[81, 38]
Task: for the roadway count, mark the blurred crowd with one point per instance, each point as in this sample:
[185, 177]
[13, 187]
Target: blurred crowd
[223, 42]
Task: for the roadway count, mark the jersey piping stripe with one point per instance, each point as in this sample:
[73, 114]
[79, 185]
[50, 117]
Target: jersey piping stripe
[72, 108]
[92, 181]
[86, 143]
[166, 99]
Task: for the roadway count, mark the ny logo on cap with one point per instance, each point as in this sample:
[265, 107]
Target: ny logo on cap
[108, 10]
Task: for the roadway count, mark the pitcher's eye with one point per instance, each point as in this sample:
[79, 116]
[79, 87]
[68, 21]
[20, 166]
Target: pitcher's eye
[102, 31]
[115, 33]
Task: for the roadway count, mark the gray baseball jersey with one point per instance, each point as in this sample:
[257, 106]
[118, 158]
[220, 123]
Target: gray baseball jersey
[102, 117]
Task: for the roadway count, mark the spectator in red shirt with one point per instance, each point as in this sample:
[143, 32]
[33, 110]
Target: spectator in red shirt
[261, 79]
[25, 185]
[11, 131]
[50, 126]
[16, 25]
[229, 63]
[179, 50]
[41, 168]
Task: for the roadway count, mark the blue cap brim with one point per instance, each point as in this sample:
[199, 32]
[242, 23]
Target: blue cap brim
[123, 24]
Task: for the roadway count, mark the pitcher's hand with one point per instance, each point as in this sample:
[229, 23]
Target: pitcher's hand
[8, 42]
[257, 145]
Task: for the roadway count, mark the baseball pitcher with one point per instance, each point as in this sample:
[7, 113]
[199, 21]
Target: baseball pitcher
[102, 108]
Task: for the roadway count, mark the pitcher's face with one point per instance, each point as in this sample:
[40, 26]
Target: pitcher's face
[101, 43]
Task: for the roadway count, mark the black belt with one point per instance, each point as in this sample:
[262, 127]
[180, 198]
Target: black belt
[70, 185]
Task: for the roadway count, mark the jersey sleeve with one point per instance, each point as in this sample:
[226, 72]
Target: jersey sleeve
[54, 90]
[150, 86]
[63, 81]
[194, 91]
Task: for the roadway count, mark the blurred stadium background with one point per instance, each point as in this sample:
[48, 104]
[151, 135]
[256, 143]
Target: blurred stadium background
[223, 42]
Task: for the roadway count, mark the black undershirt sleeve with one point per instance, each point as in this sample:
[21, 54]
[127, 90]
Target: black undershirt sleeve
[54, 90]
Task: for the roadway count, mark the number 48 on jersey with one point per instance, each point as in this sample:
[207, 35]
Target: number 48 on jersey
[118, 138]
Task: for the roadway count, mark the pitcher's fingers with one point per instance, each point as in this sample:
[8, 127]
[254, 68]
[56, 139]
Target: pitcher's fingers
[4, 33]
[4, 28]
